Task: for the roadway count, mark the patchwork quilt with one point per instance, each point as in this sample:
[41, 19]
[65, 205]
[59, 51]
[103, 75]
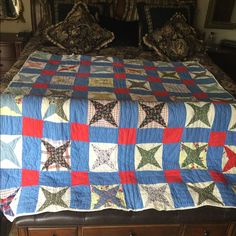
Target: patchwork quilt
[86, 133]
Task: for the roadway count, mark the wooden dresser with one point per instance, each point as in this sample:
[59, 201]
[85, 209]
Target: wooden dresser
[133, 230]
[10, 49]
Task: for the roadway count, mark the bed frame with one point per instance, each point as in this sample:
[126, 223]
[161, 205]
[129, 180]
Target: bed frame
[204, 221]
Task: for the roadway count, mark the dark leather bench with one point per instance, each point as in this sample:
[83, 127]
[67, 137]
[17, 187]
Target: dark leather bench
[117, 217]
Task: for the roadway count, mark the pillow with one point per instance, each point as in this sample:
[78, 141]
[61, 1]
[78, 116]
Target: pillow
[155, 16]
[176, 40]
[79, 32]
[126, 32]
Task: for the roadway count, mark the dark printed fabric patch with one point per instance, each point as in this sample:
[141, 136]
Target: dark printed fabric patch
[79, 32]
[176, 40]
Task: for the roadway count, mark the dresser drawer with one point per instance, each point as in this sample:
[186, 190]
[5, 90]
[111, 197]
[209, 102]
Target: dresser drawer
[70, 231]
[140, 230]
[206, 230]
[5, 65]
[7, 50]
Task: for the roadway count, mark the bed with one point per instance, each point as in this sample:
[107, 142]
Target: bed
[120, 140]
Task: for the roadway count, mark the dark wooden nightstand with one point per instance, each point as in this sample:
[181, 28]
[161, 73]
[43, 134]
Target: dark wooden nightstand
[10, 48]
[225, 58]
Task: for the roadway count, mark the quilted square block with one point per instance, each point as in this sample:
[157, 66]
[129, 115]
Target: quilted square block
[62, 196]
[29, 178]
[229, 159]
[79, 132]
[40, 85]
[127, 136]
[103, 157]
[199, 114]
[55, 155]
[173, 176]
[152, 115]
[127, 177]
[155, 195]
[79, 178]
[148, 157]
[172, 135]
[103, 113]
[56, 108]
[11, 151]
[48, 72]
[217, 138]
[32, 127]
[193, 155]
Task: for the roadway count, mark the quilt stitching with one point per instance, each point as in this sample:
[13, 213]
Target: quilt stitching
[130, 144]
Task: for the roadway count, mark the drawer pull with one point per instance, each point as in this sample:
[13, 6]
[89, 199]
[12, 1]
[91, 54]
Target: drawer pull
[131, 234]
[1, 65]
[206, 233]
[54, 235]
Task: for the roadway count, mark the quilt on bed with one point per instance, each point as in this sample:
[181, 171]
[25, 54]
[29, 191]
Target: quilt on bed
[86, 133]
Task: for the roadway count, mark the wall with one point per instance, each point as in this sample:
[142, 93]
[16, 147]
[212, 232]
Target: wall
[202, 5]
[220, 34]
[14, 26]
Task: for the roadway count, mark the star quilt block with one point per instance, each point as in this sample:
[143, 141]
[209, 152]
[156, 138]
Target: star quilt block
[148, 157]
[152, 115]
[103, 113]
[205, 193]
[11, 151]
[199, 114]
[156, 196]
[55, 155]
[12, 106]
[229, 159]
[107, 196]
[104, 157]
[55, 109]
[54, 199]
[193, 156]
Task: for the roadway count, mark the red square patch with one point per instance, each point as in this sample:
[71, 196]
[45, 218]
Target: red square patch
[83, 75]
[150, 67]
[188, 81]
[40, 85]
[173, 176]
[54, 62]
[48, 72]
[154, 79]
[127, 177]
[181, 69]
[217, 139]
[121, 90]
[85, 62]
[200, 95]
[118, 64]
[29, 177]
[160, 93]
[172, 135]
[79, 132]
[217, 176]
[80, 88]
[32, 127]
[79, 178]
[119, 75]
[127, 136]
